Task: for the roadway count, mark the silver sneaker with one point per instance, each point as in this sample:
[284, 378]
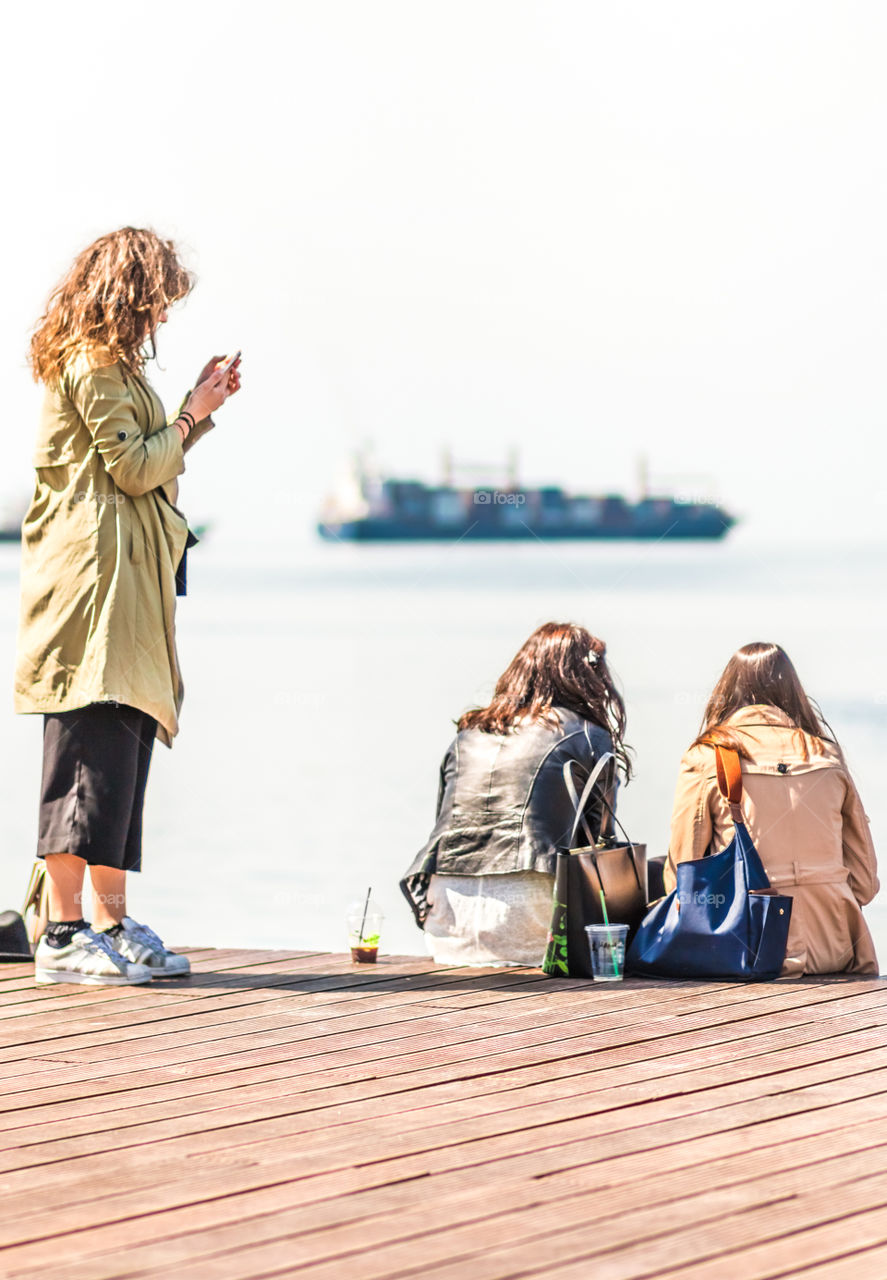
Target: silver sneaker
[89, 958]
[141, 945]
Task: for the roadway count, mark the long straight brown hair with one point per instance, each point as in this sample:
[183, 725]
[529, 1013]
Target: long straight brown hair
[560, 665]
[759, 674]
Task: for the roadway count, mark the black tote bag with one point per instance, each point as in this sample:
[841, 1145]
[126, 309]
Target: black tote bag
[618, 870]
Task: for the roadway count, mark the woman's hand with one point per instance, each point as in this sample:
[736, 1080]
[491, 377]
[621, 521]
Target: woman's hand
[208, 368]
[215, 384]
[212, 365]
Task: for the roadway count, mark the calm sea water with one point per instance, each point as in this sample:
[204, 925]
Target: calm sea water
[322, 682]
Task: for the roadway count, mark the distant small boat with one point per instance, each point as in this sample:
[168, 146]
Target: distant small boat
[378, 508]
[13, 532]
[11, 516]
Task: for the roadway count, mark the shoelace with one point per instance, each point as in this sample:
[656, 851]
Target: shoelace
[98, 943]
[148, 935]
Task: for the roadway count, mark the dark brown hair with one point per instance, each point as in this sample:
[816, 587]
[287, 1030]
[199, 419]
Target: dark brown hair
[561, 665]
[759, 674]
[109, 302]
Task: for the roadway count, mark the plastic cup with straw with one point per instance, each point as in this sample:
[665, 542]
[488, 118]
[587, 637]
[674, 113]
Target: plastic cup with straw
[607, 945]
[364, 923]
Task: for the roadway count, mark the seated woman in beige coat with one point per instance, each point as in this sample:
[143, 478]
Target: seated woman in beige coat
[801, 808]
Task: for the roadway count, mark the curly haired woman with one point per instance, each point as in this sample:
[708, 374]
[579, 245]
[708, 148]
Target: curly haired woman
[103, 547]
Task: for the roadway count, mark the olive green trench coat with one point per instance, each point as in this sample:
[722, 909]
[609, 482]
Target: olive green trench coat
[101, 543]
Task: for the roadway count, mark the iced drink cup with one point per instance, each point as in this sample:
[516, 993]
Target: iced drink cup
[364, 928]
[606, 943]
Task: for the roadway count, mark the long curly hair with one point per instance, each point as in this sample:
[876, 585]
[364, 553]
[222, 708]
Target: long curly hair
[759, 674]
[560, 665]
[109, 302]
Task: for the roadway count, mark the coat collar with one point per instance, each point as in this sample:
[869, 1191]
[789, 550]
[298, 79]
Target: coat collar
[760, 714]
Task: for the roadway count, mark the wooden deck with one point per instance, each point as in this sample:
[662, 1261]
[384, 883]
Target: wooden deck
[286, 1113]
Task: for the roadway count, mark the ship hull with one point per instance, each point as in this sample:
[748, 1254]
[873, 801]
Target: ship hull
[370, 530]
[387, 509]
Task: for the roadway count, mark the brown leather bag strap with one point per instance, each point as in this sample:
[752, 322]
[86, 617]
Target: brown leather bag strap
[729, 770]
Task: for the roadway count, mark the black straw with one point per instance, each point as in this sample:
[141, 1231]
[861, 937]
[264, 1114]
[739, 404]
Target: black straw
[365, 909]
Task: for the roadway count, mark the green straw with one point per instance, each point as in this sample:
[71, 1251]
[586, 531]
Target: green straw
[607, 927]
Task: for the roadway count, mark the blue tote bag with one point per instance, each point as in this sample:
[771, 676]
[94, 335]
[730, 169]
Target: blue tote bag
[723, 921]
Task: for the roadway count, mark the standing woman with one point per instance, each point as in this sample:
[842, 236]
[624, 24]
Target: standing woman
[800, 804]
[103, 546]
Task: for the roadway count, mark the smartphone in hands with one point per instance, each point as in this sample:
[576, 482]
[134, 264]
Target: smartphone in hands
[228, 364]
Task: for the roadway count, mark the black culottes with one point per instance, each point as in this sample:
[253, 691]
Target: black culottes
[95, 770]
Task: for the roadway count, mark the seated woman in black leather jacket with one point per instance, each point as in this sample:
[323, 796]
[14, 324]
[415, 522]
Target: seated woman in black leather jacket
[481, 887]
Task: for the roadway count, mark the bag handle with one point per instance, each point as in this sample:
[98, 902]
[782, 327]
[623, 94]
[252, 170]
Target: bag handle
[579, 802]
[609, 815]
[729, 769]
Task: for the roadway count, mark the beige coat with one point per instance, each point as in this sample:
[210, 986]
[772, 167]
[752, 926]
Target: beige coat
[100, 546]
[808, 825]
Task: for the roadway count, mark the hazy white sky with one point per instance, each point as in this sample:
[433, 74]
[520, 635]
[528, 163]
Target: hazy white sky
[592, 230]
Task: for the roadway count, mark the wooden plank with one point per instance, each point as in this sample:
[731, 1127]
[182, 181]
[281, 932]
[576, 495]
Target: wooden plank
[20, 978]
[84, 1001]
[328, 988]
[764, 1028]
[393, 1201]
[441, 1229]
[838, 1248]
[627, 1085]
[350, 1062]
[223, 970]
[97, 1037]
[391, 1105]
[167, 1173]
[854, 1221]
[862, 1263]
[684, 1049]
[872, 1019]
[136, 1106]
[149, 1005]
[295, 1112]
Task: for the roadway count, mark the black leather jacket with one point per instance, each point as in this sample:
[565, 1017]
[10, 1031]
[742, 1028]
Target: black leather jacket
[503, 805]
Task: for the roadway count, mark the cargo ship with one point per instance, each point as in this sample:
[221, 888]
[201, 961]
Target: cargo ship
[370, 507]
